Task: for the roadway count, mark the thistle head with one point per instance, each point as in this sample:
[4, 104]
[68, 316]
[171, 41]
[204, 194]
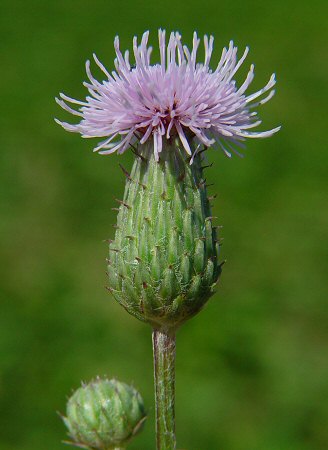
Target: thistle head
[177, 97]
[163, 263]
[104, 415]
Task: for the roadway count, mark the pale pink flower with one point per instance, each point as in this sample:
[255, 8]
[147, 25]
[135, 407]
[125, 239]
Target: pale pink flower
[178, 97]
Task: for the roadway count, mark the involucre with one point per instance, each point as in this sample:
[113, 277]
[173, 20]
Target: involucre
[163, 263]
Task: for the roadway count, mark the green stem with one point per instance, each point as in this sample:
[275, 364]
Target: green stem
[164, 375]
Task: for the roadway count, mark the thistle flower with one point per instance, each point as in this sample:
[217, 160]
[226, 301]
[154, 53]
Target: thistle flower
[163, 263]
[104, 415]
[177, 97]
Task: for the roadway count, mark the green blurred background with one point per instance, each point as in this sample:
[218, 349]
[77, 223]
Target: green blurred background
[252, 368]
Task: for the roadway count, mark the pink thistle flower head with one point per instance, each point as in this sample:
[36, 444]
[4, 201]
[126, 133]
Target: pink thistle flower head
[178, 97]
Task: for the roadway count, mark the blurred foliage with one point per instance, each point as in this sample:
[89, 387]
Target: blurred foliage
[252, 368]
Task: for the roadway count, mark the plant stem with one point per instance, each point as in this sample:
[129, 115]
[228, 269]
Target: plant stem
[164, 376]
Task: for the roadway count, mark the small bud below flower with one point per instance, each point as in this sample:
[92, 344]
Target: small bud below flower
[104, 415]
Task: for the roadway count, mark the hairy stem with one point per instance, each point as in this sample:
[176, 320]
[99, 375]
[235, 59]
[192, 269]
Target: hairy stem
[164, 375]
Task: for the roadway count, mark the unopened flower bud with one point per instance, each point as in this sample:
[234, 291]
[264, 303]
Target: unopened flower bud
[104, 414]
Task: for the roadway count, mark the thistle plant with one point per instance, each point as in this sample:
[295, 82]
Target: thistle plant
[163, 262]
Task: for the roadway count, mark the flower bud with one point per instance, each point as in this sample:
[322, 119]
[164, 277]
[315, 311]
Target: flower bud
[104, 414]
[163, 263]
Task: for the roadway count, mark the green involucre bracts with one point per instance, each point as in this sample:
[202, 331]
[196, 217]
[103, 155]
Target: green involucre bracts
[104, 415]
[163, 263]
